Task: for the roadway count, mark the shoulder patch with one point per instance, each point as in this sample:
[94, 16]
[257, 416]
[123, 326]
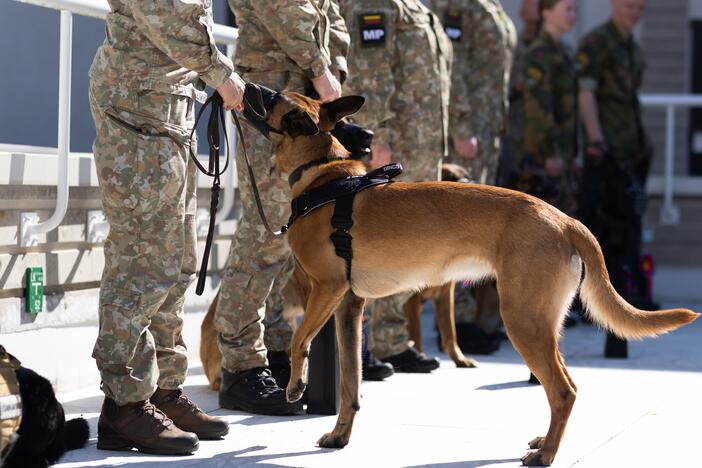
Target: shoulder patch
[534, 76]
[583, 59]
[453, 24]
[372, 29]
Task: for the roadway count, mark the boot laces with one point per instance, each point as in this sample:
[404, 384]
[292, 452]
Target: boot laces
[156, 415]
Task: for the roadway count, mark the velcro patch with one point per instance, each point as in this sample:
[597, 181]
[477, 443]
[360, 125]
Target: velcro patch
[453, 24]
[372, 28]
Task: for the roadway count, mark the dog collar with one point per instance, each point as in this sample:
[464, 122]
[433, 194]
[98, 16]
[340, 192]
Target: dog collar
[296, 175]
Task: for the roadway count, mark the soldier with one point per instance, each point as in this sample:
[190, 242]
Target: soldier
[510, 157]
[550, 132]
[155, 62]
[484, 38]
[400, 60]
[618, 151]
[299, 46]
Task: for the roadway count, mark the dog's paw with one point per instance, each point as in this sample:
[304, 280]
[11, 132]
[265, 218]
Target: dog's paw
[329, 440]
[466, 363]
[294, 391]
[537, 458]
[537, 443]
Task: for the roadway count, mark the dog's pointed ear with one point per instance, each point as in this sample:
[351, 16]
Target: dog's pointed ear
[298, 123]
[342, 107]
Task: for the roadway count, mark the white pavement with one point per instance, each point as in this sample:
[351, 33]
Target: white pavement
[643, 412]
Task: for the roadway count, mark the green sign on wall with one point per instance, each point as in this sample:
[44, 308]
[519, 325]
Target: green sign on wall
[34, 291]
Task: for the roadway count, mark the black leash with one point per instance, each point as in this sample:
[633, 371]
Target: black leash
[217, 117]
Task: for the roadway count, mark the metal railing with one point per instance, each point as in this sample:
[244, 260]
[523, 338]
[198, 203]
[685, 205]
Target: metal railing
[670, 214]
[30, 227]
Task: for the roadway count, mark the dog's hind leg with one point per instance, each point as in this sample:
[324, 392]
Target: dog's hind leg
[532, 323]
[323, 299]
[413, 309]
[348, 335]
[444, 308]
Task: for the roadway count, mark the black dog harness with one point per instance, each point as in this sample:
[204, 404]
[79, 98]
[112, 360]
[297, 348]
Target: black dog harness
[342, 192]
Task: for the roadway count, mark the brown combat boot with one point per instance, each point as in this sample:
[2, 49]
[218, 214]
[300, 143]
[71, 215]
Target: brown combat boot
[142, 426]
[187, 416]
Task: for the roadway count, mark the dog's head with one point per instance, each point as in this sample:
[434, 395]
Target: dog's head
[296, 121]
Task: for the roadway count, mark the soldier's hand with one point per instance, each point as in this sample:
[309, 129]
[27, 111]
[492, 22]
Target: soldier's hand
[327, 86]
[555, 166]
[596, 152]
[232, 92]
[381, 154]
[465, 147]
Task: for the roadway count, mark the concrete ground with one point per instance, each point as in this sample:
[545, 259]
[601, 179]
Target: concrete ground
[645, 411]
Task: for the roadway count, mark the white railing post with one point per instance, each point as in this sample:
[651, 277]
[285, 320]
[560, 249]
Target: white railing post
[30, 229]
[670, 214]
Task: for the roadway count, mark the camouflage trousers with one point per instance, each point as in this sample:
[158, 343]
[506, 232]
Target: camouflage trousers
[388, 334]
[148, 189]
[259, 264]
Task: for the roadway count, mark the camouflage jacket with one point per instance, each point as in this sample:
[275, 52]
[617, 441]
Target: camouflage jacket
[612, 67]
[550, 89]
[303, 36]
[400, 61]
[483, 39]
[160, 46]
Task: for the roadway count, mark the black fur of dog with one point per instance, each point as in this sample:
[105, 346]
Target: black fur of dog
[44, 435]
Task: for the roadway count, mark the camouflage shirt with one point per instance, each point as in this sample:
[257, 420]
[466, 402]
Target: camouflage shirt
[612, 67]
[550, 88]
[400, 61]
[483, 39]
[160, 46]
[305, 36]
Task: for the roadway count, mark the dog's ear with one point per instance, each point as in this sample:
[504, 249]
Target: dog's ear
[298, 123]
[340, 108]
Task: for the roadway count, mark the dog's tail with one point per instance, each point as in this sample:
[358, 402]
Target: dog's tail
[606, 306]
[76, 434]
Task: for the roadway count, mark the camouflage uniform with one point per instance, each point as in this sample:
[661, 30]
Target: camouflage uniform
[400, 60]
[143, 84]
[613, 196]
[283, 45]
[550, 89]
[511, 151]
[483, 39]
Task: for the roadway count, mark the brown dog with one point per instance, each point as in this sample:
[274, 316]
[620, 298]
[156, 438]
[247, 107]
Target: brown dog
[442, 296]
[412, 235]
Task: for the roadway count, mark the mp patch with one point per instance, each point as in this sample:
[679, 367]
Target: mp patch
[453, 24]
[372, 26]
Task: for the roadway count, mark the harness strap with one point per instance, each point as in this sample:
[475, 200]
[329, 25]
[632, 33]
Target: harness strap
[342, 222]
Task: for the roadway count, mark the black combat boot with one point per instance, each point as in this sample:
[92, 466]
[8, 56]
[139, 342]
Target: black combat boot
[412, 361]
[255, 391]
[376, 370]
[142, 426]
[279, 365]
[187, 416]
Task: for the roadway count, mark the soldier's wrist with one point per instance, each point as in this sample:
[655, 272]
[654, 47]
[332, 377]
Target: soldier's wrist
[219, 73]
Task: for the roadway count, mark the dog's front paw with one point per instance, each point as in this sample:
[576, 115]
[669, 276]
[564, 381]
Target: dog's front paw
[537, 443]
[538, 458]
[466, 363]
[294, 391]
[329, 440]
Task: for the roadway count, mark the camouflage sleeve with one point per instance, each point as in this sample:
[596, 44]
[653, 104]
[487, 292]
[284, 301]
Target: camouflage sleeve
[338, 41]
[479, 101]
[183, 31]
[539, 140]
[586, 59]
[292, 24]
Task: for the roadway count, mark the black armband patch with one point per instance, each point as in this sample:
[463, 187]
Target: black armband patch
[453, 24]
[372, 29]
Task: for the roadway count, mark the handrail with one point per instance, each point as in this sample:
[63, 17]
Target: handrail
[30, 227]
[670, 214]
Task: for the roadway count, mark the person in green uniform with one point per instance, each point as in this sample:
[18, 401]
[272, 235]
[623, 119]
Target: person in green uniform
[618, 152]
[550, 131]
